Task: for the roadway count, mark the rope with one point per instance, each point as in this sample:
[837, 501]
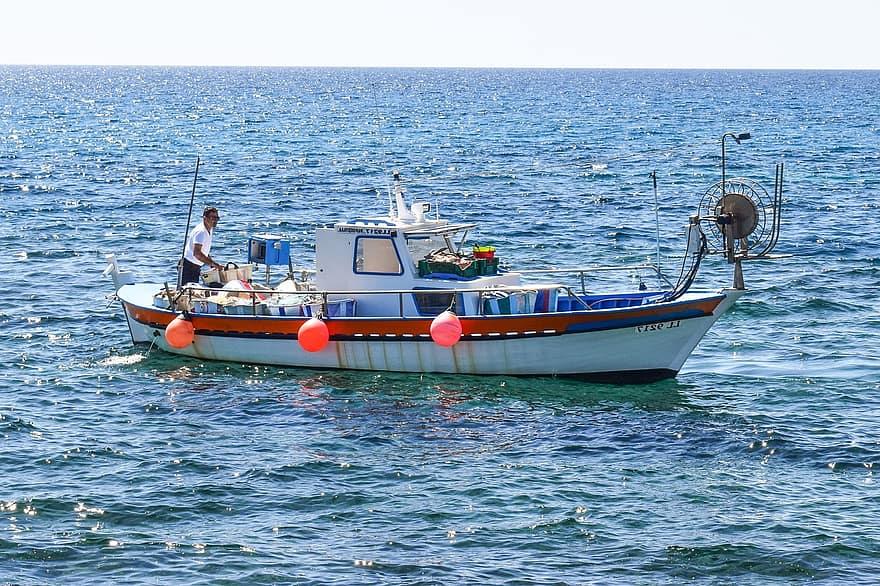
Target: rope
[686, 278]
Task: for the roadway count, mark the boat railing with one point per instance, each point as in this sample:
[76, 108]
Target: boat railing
[195, 294]
[579, 272]
[582, 272]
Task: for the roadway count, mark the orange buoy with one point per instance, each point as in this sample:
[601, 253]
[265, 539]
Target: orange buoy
[446, 329]
[313, 335]
[180, 332]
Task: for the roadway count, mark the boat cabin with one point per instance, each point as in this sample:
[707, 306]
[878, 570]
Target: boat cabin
[361, 257]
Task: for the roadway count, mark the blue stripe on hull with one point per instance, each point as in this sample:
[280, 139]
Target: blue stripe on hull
[623, 322]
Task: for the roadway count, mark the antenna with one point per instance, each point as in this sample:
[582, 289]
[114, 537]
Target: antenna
[402, 212]
[392, 189]
[188, 219]
[657, 223]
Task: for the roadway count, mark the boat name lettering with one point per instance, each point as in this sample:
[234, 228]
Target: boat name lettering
[366, 230]
[668, 325]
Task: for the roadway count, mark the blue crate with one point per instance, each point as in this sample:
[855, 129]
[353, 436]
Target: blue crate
[268, 250]
[335, 308]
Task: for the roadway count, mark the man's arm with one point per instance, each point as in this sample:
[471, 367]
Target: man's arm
[206, 259]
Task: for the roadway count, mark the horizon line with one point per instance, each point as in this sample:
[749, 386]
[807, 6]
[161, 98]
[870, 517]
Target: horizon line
[483, 67]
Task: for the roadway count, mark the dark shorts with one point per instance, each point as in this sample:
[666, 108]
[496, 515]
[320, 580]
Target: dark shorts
[191, 272]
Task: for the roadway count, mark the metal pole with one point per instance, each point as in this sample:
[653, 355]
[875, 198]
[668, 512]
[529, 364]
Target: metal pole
[726, 228]
[186, 233]
[657, 222]
[723, 173]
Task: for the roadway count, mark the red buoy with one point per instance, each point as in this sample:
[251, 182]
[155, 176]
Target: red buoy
[180, 332]
[446, 329]
[313, 335]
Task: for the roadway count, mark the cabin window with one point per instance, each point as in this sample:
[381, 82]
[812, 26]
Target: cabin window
[377, 256]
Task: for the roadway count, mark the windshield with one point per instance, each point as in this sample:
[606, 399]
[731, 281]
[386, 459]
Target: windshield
[420, 246]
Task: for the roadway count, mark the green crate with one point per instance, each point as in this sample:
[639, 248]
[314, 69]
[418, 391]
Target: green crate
[487, 266]
[475, 269]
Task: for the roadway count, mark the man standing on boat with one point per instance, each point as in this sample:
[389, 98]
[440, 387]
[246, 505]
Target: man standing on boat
[198, 247]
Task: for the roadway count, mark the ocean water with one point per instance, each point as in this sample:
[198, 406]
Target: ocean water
[123, 464]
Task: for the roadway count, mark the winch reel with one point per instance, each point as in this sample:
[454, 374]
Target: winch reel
[743, 220]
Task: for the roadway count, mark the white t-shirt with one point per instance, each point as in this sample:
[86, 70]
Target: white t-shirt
[198, 235]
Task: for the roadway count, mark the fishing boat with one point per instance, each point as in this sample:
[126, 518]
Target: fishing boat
[404, 291]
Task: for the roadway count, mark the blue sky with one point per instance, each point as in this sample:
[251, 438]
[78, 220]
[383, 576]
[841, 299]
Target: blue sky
[453, 33]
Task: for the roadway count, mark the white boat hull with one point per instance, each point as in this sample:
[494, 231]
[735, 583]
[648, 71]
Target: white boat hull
[622, 344]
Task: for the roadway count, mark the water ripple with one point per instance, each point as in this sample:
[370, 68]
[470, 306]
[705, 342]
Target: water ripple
[128, 465]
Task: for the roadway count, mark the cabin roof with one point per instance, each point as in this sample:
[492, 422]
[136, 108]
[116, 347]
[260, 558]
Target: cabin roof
[423, 230]
[383, 224]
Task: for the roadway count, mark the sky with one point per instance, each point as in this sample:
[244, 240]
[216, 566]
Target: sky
[765, 34]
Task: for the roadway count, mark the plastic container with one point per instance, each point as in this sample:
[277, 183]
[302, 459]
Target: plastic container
[424, 268]
[244, 309]
[284, 310]
[335, 308]
[515, 302]
[478, 267]
[205, 306]
[484, 252]
[211, 276]
[547, 300]
[231, 272]
[285, 305]
[234, 272]
[160, 300]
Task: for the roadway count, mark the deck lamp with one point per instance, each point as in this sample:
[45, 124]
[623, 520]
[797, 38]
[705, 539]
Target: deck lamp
[738, 138]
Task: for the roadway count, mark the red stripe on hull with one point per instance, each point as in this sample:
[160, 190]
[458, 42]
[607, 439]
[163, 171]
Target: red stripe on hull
[473, 326]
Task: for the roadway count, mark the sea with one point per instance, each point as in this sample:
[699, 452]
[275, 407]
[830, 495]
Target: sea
[122, 464]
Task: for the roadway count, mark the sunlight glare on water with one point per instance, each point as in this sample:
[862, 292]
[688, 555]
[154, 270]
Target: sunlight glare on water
[129, 465]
